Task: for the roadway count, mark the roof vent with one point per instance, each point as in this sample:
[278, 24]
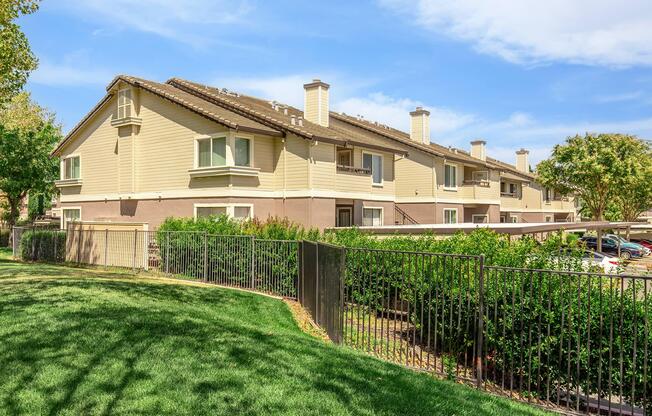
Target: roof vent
[300, 121]
[293, 119]
[285, 111]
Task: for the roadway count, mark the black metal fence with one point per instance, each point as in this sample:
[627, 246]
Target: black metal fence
[320, 285]
[576, 341]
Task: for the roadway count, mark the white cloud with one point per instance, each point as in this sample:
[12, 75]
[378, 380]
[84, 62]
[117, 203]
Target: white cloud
[286, 89]
[196, 22]
[69, 74]
[395, 112]
[594, 32]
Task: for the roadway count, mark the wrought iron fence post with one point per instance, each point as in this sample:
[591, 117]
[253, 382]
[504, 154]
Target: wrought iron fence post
[480, 334]
[33, 246]
[167, 252]
[205, 256]
[253, 262]
[56, 252]
[135, 248]
[341, 305]
[106, 247]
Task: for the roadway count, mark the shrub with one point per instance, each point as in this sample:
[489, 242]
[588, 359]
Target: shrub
[45, 245]
[4, 238]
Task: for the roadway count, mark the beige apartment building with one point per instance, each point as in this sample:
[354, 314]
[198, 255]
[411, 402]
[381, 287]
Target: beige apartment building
[149, 150]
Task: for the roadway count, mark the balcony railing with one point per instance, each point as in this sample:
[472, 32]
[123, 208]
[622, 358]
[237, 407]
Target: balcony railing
[353, 169]
[509, 194]
[477, 182]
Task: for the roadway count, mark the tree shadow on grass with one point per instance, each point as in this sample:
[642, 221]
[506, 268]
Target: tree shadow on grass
[109, 347]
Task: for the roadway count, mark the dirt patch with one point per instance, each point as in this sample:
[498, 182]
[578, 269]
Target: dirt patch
[304, 320]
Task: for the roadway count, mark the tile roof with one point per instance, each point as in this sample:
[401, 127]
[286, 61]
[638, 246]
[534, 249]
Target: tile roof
[247, 113]
[280, 117]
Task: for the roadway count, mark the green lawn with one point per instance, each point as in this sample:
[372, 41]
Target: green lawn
[78, 341]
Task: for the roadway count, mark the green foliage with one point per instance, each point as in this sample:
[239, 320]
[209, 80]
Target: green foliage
[602, 169]
[37, 204]
[26, 165]
[43, 245]
[4, 237]
[17, 58]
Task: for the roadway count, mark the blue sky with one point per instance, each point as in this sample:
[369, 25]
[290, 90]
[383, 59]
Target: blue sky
[519, 73]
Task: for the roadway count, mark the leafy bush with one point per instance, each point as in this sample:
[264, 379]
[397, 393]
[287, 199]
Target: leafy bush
[4, 238]
[44, 245]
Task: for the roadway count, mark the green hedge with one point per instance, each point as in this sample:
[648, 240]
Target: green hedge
[4, 238]
[46, 245]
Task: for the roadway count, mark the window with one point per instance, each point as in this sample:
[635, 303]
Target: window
[548, 218]
[372, 216]
[124, 103]
[71, 167]
[450, 216]
[479, 218]
[480, 175]
[513, 219]
[547, 194]
[513, 189]
[236, 211]
[211, 152]
[242, 153]
[450, 176]
[203, 212]
[241, 212]
[344, 157]
[70, 215]
[375, 164]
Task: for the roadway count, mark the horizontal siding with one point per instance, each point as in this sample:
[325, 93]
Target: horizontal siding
[296, 160]
[414, 176]
[323, 167]
[96, 143]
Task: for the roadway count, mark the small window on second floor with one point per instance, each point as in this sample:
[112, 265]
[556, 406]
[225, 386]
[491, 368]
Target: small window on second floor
[375, 164]
[547, 194]
[242, 153]
[480, 175]
[71, 168]
[450, 176]
[124, 103]
[211, 152]
[513, 189]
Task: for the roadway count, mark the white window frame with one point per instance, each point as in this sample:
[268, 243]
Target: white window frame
[230, 208]
[454, 187]
[63, 215]
[456, 215]
[130, 105]
[547, 191]
[229, 157]
[210, 138]
[474, 216]
[382, 168]
[382, 216]
[62, 173]
[513, 219]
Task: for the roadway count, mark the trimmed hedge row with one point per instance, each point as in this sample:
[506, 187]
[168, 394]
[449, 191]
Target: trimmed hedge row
[46, 245]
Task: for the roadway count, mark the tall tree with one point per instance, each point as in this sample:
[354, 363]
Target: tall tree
[634, 194]
[595, 168]
[16, 57]
[27, 136]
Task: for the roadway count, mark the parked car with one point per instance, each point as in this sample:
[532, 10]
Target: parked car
[644, 243]
[646, 251]
[590, 260]
[610, 246]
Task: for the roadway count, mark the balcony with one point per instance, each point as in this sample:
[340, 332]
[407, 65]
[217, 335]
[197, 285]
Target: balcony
[509, 194]
[353, 170]
[473, 182]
